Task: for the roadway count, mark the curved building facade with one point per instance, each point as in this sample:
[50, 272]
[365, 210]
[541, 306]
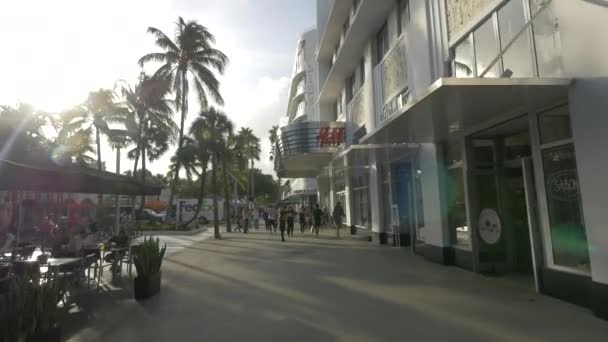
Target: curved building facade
[306, 142]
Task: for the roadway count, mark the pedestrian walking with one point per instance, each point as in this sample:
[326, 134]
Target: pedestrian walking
[265, 217]
[317, 215]
[272, 219]
[302, 219]
[245, 219]
[337, 214]
[239, 221]
[290, 221]
[282, 222]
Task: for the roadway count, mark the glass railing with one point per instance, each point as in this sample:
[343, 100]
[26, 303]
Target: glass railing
[391, 86]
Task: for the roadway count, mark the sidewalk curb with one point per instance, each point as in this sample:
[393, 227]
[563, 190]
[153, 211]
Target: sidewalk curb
[174, 232]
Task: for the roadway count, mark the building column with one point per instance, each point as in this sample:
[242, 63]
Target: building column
[437, 237]
[588, 103]
[375, 198]
[332, 190]
[347, 194]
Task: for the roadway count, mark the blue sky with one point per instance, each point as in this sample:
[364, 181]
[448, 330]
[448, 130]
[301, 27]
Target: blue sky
[62, 49]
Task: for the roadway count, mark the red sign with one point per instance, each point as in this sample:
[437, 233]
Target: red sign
[330, 136]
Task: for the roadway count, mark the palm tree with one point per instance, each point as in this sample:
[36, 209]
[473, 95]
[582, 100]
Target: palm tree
[189, 58]
[274, 144]
[72, 143]
[22, 134]
[274, 140]
[194, 155]
[251, 151]
[148, 116]
[101, 110]
[233, 159]
[213, 128]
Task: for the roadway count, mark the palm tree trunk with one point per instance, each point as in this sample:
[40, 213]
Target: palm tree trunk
[180, 142]
[216, 223]
[226, 194]
[201, 196]
[98, 142]
[251, 174]
[143, 178]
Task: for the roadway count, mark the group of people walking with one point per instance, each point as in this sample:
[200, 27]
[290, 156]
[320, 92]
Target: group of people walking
[284, 218]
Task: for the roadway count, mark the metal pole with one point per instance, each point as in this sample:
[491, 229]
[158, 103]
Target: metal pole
[117, 218]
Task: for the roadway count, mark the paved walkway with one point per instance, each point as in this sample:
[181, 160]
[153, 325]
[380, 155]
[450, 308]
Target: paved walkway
[255, 288]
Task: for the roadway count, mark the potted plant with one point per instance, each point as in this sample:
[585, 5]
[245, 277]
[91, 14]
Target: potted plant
[148, 258]
[47, 310]
[32, 311]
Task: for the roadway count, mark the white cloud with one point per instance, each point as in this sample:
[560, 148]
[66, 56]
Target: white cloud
[260, 108]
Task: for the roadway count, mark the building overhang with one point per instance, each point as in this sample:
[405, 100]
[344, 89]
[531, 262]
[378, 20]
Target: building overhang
[453, 107]
[304, 148]
[367, 22]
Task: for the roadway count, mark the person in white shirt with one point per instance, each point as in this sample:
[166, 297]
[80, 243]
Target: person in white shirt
[272, 218]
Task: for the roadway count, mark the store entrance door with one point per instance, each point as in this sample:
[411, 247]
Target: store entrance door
[501, 194]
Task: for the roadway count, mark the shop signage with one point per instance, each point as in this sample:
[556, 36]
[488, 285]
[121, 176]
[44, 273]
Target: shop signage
[489, 226]
[327, 136]
[563, 185]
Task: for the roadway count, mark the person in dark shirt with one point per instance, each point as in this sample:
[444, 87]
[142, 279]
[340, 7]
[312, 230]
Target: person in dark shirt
[290, 221]
[282, 222]
[317, 215]
[337, 215]
[302, 219]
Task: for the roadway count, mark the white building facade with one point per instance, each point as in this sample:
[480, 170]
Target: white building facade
[473, 134]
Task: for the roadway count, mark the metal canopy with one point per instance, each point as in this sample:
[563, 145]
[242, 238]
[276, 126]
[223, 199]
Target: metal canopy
[358, 155]
[53, 178]
[455, 106]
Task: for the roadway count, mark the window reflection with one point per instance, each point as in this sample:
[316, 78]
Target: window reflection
[518, 58]
[486, 49]
[548, 43]
[464, 61]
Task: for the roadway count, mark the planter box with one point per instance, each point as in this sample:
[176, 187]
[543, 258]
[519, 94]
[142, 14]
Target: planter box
[146, 287]
[53, 335]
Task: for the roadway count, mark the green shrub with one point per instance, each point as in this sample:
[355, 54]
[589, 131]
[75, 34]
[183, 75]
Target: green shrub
[148, 257]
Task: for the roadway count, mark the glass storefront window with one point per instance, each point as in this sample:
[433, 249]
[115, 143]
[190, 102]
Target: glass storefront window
[554, 125]
[486, 48]
[457, 215]
[464, 63]
[453, 152]
[518, 58]
[567, 229]
[419, 205]
[360, 200]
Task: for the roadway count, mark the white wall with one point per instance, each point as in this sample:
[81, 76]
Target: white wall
[583, 27]
[589, 115]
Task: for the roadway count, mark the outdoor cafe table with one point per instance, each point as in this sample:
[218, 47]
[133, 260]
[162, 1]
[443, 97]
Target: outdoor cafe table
[56, 264]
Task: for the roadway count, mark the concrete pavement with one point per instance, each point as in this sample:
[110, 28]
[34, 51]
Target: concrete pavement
[255, 288]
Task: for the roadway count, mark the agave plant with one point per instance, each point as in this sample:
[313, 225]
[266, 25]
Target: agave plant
[148, 257]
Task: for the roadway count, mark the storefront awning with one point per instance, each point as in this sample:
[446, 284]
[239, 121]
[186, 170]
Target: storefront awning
[455, 106]
[304, 148]
[54, 178]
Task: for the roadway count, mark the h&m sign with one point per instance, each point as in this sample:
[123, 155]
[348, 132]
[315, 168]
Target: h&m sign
[327, 136]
